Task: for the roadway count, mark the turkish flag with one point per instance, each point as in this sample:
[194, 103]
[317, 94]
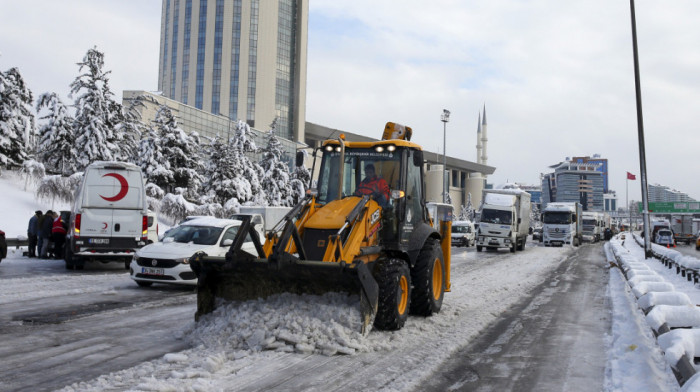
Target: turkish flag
[631, 176]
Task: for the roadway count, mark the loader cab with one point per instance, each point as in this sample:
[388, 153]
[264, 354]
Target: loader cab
[398, 163]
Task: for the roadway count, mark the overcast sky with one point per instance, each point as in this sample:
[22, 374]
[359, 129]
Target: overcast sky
[556, 77]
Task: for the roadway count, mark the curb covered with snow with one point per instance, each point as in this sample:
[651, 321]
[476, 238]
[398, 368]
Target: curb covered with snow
[665, 309]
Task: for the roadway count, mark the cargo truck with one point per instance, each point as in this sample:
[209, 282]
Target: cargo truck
[562, 224]
[682, 227]
[504, 219]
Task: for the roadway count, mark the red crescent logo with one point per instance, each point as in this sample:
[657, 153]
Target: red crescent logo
[105, 225]
[122, 191]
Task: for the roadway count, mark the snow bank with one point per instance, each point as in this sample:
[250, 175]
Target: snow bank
[678, 343]
[645, 287]
[653, 298]
[674, 316]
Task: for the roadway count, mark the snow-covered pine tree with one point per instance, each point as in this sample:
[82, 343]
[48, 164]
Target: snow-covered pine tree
[96, 113]
[300, 181]
[153, 162]
[181, 151]
[224, 183]
[275, 182]
[17, 125]
[56, 148]
[242, 144]
[128, 132]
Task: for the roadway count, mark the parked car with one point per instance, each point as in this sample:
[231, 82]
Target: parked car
[463, 233]
[3, 245]
[537, 234]
[697, 241]
[167, 261]
[664, 237]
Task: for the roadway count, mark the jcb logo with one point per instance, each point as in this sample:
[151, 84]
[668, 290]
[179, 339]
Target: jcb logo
[321, 243]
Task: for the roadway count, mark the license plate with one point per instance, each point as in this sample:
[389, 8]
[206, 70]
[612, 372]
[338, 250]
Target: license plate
[102, 241]
[152, 271]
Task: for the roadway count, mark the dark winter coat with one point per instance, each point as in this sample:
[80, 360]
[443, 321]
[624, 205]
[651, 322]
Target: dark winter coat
[33, 228]
[46, 226]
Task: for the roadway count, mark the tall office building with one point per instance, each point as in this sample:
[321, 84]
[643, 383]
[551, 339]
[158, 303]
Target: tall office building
[243, 59]
[574, 182]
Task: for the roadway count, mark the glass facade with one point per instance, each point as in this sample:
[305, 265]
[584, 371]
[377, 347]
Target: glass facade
[252, 60]
[284, 79]
[235, 60]
[218, 42]
[165, 39]
[186, 52]
[173, 51]
[201, 51]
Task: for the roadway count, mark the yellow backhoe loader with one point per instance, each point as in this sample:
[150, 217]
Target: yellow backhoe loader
[369, 234]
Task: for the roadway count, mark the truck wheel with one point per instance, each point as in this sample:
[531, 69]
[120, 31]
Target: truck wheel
[512, 247]
[428, 277]
[478, 248]
[576, 242]
[394, 280]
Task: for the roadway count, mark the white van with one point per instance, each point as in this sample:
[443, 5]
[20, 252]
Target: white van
[463, 233]
[109, 220]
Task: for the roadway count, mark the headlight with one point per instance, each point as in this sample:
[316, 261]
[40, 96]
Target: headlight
[185, 260]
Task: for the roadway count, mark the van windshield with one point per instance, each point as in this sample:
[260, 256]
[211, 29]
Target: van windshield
[557, 218]
[501, 217]
[461, 229]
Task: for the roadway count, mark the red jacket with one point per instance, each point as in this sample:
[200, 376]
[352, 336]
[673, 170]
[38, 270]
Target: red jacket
[58, 226]
[373, 185]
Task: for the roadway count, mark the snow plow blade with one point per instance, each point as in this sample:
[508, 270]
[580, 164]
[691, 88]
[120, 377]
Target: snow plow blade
[243, 276]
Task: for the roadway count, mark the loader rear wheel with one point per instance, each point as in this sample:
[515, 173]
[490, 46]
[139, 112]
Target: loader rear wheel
[428, 278]
[394, 280]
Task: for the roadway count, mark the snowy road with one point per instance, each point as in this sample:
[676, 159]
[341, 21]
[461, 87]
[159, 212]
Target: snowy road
[61, 328]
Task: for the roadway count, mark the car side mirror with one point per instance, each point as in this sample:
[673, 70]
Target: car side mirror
[520, 220]
[227, 242]
[299, 158]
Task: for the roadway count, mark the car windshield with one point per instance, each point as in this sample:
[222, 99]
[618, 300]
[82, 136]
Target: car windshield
[460, 229]
[201, 235]
[557, 218]
[496, 216]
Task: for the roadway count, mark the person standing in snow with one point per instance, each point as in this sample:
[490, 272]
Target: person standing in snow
[45, 233]
[32, 233]
[58, 236]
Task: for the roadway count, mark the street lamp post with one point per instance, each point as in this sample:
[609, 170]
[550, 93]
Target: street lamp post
[445, 118]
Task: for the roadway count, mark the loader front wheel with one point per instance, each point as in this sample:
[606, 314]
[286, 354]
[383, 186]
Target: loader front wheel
[394, 280]
[428, 278]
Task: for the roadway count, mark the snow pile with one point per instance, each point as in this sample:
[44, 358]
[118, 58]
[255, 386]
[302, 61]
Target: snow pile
[328, 324]
[653, 298]
[680, 342]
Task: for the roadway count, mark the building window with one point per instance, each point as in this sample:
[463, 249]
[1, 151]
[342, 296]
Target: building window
[235, 60]
[252, 60]
[173, 54]
[218, 42]
[201, 46]
[186, 52]
[284, 84]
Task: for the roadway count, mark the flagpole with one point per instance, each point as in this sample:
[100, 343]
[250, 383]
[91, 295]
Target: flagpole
[627, 199]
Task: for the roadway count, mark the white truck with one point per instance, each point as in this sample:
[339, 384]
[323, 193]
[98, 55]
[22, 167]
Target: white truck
[268, 217]
[504, 219]
[109, 220]
[594, 225]
[562, 224]
[682, 227]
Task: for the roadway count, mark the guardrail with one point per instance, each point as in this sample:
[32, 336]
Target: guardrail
[16, 242]
[673, 318]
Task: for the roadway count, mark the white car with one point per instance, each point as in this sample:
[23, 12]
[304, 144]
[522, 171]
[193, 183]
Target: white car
[167, 261]
[463, 233]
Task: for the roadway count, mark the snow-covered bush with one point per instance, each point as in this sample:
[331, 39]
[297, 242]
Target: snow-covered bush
[58, 188]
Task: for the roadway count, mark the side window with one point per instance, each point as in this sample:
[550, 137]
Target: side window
[414, 191]
[230, 234]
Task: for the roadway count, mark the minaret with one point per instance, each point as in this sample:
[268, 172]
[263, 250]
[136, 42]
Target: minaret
[478, 140]
[484, 139]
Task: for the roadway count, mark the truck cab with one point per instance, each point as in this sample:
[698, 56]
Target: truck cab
[562, 224]
[504, 219]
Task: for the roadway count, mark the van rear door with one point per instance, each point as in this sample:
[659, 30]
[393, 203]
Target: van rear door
[113, 202]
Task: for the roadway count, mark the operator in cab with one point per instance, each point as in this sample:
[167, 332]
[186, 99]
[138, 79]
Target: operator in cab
[374, 186]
